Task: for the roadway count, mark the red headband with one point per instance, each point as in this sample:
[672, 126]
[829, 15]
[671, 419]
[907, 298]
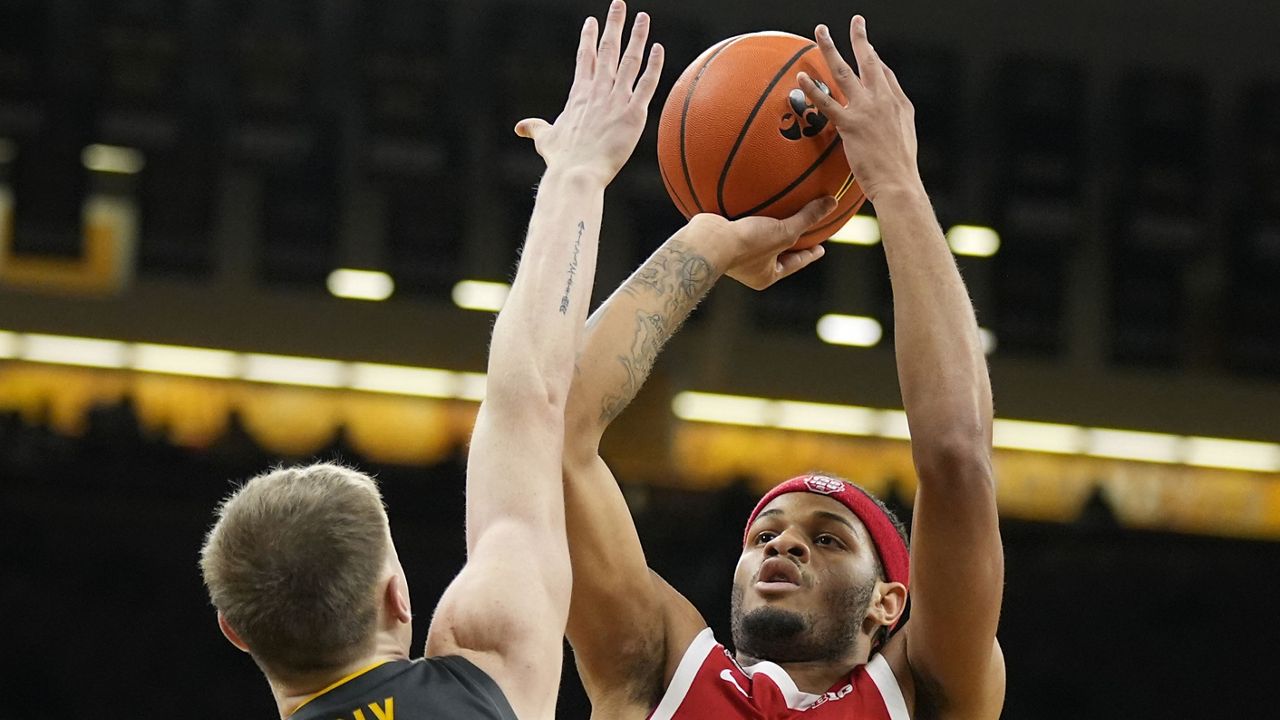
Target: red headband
[894, 556]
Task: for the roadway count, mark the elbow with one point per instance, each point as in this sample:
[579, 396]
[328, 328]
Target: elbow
[528, 409]
[527, 391]
[957, 458]
[582, 432]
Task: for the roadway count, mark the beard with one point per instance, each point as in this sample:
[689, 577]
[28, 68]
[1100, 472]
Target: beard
[780, 636]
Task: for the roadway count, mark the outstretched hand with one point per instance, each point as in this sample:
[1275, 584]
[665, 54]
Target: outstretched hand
[607, 107]
[878, 125]
[761, 246]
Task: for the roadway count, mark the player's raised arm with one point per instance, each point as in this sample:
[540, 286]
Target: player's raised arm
[506, 611]
[627, 627]
[957, 560]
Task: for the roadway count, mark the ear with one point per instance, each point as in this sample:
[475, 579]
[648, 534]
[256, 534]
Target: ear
[230, 633]
[889, 602]
[395, 598]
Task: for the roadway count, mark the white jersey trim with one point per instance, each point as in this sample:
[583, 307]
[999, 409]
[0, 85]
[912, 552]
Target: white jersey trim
[702, 646]
[882, 675]
[795, 698]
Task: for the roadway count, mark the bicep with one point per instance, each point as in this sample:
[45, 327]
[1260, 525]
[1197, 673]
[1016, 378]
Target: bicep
[618, 616]
[506, 615]
[506, 610]
[957, 581]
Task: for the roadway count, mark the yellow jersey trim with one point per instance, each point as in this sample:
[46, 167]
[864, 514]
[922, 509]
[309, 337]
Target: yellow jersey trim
[343, 681]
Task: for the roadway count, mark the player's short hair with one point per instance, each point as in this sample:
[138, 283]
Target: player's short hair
[293, 562]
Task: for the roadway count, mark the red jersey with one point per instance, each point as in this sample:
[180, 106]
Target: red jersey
[708, 683]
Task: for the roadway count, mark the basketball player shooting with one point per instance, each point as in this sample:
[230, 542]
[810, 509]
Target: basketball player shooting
[822, 584]
[300, 564]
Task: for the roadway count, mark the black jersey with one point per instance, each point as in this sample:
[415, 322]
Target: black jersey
[425, 689]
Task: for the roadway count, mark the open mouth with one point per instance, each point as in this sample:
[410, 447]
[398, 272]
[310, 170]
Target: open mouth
[777, 574]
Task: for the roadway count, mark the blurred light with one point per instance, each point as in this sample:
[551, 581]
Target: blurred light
[85, 352]
[282, 370]
[480, 295]
[1233, 454]
[400, 380]
[360, 284]
[725, 409]
[849, 330]
[893, 424]
[988, 338]
[816, 417]
[1007, 434]
[1130, 445]
[1038, 436]
[8, 151]
[973, 240]
[113, 159]
[173, 360]
[471, 386]
[691, 406]
[860, 230]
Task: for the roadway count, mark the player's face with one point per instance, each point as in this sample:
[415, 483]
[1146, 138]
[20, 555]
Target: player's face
[804, 581]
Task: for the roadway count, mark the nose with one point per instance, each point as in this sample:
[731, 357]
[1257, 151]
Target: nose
[787, 542]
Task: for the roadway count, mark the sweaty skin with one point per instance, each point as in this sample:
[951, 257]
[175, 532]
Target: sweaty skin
[628, 627]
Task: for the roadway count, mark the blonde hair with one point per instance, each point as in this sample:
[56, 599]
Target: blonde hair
[293, 563]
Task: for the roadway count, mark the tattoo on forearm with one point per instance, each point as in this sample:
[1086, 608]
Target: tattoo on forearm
[677, 274]
[678, 278]
[573, 269]
[638, 362]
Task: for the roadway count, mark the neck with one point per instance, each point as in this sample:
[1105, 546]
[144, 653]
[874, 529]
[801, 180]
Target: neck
[292, 691]
[816, 676]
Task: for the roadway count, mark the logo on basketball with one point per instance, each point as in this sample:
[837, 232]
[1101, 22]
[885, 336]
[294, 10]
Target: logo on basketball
[823, 485]
[804, 120]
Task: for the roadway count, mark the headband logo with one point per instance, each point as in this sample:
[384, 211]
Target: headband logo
[823, 485]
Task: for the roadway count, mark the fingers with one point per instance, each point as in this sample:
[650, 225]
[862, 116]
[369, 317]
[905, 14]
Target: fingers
[825, 104]
[808, 216]
[844, 76]
[531, 127]
[869, 69]
[586, 67]
[897, 87]
[629, 68]
[611, 43]
[792, 262]
[649, 80]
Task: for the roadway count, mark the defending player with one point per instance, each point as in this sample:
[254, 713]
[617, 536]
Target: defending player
[824, 573]
[300, 564]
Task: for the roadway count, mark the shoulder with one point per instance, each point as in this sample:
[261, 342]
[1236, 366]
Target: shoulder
[454, 683]
[428, 688]
[927, 698]
[704, 680]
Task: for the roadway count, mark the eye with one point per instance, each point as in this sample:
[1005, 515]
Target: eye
[829, 540]
[764, 537]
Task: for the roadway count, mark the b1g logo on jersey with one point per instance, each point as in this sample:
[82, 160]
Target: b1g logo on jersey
[804, 120]
[823, 485]
[833, 695]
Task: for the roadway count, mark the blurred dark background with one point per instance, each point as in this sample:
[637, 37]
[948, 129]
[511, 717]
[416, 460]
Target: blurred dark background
[1128, 154]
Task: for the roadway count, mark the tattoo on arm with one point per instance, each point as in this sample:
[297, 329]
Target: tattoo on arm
[573, 269]
[677, 278]
[637, 363]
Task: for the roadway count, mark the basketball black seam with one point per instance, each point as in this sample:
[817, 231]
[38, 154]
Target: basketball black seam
[794, 184]
[724, 173]
[684, 210]
[684, 116]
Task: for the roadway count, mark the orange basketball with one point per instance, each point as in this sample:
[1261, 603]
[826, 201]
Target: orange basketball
[737, 136]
